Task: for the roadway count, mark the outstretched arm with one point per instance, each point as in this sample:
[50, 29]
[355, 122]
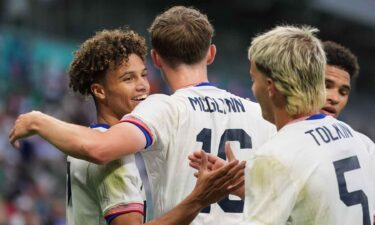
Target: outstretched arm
[78, 141]
[211, 187]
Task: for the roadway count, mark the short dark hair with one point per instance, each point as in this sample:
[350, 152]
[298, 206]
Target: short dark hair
[95, 56]
[340, 56]
[181, 35]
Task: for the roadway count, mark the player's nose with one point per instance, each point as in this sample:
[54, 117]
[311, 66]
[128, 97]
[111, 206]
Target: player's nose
[333, 97]
[143, 85]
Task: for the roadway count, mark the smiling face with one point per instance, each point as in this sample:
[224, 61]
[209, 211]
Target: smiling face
[126, 86]
[338, 90]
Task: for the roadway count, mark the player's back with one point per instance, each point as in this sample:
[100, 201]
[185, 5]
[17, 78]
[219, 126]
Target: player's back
[318, 171]
[202, 117]
[95, 191]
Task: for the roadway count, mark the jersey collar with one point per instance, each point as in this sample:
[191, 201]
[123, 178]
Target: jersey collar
[313, 117]
[102, 125]
[203, 84]
[316, 116]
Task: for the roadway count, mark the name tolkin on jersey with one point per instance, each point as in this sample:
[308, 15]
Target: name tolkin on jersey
[220, 105]
[329, 133]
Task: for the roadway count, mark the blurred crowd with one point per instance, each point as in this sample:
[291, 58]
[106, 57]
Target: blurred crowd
[32, 179]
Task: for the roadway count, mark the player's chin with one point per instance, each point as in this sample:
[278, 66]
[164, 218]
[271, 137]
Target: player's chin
[135, 102]
[328, 112]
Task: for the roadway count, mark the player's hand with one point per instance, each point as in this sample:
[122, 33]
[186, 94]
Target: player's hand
[23, 127]
[213, 162]
[240, 191]
[213, 185]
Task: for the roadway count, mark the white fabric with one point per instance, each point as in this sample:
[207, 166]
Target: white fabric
[97, 189]
[180, 124]
[292, 178]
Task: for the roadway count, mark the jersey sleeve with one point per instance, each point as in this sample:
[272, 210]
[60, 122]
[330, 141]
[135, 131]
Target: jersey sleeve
[270, 191]
[117, 187]
[156, 116]
[370, 146]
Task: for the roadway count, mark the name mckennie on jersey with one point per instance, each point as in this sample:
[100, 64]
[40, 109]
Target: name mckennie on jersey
[324, 134]
[220, 105]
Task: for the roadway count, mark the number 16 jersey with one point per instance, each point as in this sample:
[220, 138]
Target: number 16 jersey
[193, 118]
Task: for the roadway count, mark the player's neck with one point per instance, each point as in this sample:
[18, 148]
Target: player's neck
[106, 116]
[282, 118]
[185, 75]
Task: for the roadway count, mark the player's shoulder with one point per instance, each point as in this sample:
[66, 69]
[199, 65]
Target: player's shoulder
[253, 106]
[158, 97]
[364, 137]
[157, 101]
[162, 98]
[370, 145]
[367, 142]
[352, 131]
[95, 126]
[291, 137]
[246, 101]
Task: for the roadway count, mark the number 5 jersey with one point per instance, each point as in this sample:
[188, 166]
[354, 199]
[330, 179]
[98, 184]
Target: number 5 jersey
[315, 171]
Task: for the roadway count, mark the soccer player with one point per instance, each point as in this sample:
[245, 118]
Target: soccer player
[110, 67]
[198, 115]
[316, 169]
[342, 67]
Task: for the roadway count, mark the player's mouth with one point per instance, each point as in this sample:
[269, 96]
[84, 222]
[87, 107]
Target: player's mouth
[329, 110]
[140, 97]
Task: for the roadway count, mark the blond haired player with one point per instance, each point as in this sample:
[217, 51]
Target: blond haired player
[316, 169]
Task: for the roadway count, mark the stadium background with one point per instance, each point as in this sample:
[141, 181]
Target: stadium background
[38, 37]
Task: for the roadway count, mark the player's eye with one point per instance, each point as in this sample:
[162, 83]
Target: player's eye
[344, 92]
[329, 85]
[128, 78]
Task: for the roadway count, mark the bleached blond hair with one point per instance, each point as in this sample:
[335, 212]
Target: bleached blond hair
[294, 59]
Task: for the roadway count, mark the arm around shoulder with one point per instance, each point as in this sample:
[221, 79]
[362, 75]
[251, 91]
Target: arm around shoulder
[79, 141]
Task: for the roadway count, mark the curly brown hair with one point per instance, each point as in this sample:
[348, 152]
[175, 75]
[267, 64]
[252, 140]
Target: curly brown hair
[97, 54]
[342, 57]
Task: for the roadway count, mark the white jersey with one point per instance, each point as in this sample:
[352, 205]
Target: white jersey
[193, 118]
[95, 192]
[312, 172]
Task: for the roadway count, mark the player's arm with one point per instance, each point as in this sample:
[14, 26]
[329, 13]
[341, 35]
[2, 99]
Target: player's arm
[78, 141]
[211, 186]
[133, 218]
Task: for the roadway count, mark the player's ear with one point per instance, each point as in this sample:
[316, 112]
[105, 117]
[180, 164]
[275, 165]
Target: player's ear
[211, 54]
[271, 89]
[156, 58]
[277, 97]
[98, 91]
